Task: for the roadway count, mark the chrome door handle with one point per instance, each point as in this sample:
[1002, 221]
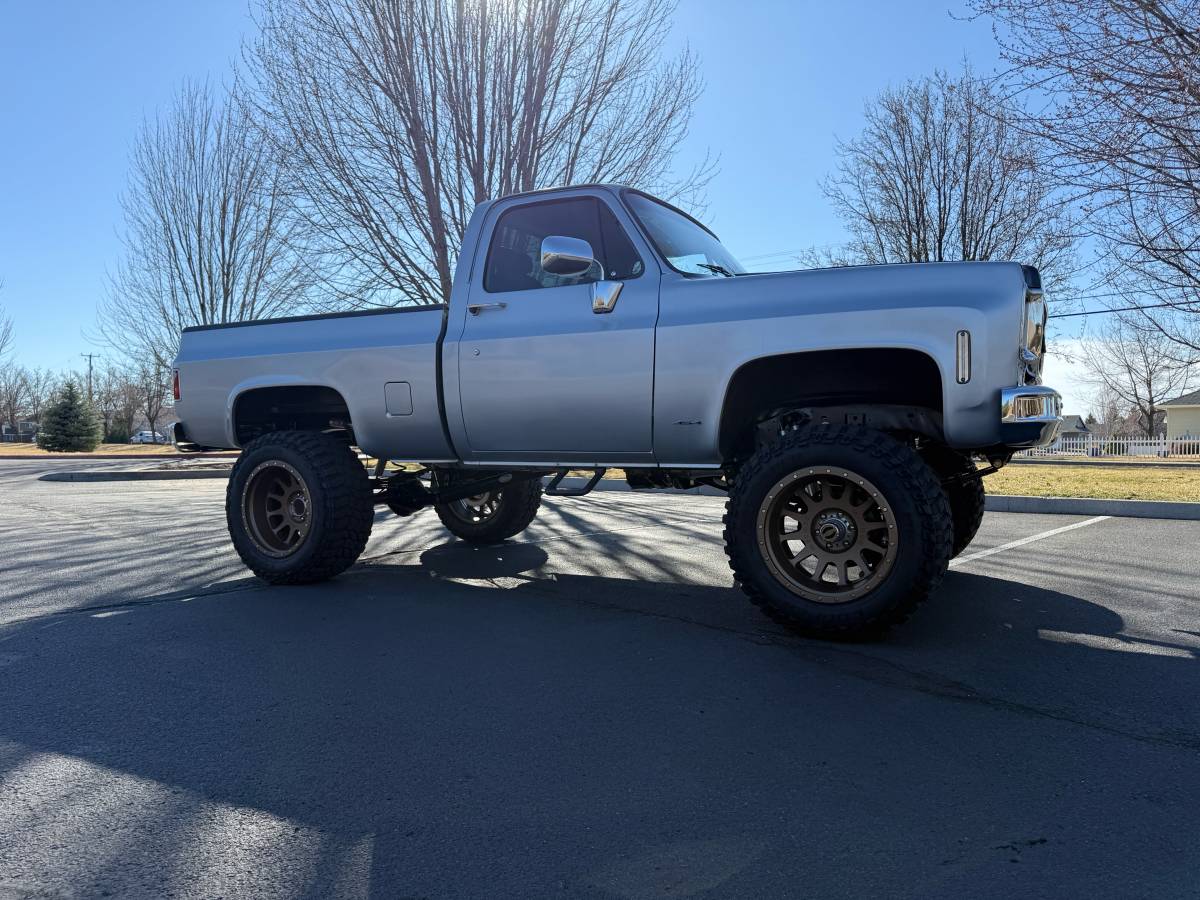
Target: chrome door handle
[604, 295]
[476, 308]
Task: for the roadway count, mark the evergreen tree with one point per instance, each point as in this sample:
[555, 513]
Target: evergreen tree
[69, 423]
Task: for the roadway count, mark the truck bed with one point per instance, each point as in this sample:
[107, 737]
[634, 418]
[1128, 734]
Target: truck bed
[378, 360]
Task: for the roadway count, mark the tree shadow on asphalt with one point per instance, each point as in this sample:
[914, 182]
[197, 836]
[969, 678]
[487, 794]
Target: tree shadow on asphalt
[484, 720]
[490, 726]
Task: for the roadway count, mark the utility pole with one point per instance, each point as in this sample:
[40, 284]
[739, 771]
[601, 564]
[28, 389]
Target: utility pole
[89, 357]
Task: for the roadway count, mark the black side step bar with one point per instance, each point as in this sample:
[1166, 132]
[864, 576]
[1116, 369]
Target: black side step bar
[553, 489]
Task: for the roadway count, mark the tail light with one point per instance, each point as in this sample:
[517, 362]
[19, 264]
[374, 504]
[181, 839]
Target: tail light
[175, 383]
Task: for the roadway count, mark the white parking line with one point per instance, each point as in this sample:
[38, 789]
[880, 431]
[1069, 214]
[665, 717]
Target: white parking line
[971, 557]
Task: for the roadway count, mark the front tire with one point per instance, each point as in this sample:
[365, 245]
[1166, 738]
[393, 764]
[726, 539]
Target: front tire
[837, 531]
[299, 507]
[964, 490]
[493, 516]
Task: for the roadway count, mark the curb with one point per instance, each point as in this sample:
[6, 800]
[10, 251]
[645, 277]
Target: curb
[136, 475]
[1085, 506]
[1101, 463]
[88, 457]
[1079, 506]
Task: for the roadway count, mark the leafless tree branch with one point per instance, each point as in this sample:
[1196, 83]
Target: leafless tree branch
[1137, 365]
[6, 332]
[208, 234]
[397, 117]
[1121, 129]
[940, 173]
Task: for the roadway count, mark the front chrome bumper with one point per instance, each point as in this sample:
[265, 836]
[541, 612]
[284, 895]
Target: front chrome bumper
[1030, 416]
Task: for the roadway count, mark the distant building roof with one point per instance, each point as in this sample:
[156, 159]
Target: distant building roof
[1074, 424]
[1192, 399]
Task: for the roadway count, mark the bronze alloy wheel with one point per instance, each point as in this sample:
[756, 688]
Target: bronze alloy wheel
[276, 508]
[827, 534]
[478, 509]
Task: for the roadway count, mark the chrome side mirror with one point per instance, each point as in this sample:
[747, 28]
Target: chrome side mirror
[566, 255]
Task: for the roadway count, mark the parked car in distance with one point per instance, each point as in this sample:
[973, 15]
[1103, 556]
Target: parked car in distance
[589, 327]
[147, 437]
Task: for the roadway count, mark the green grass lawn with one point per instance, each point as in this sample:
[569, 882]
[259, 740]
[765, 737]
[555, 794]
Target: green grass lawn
[1083, 480]
[1089, 480]
[7, 449]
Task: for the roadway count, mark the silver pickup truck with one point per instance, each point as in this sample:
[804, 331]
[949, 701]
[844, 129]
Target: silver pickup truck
[595, 327]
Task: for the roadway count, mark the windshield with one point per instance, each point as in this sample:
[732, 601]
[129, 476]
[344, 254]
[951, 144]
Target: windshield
[688, 247]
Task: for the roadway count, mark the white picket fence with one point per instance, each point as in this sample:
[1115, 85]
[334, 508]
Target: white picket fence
[1094, 445]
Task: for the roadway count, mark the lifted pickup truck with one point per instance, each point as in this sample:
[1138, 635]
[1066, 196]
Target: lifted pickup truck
[596, 326]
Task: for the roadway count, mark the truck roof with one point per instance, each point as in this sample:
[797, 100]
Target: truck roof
[605, 186]
[565, 187]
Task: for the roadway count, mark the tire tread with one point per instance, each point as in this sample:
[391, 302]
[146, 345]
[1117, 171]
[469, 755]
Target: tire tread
[967, 496]
[348, 509]
[917, 479]
[520, 506]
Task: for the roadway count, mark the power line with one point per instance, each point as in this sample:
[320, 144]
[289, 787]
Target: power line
[793, 253]
[1100, 312]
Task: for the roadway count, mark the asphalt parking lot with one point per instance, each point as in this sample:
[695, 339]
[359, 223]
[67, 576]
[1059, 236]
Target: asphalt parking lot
[589, 711]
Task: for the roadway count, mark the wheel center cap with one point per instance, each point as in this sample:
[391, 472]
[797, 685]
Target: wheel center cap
[834, 530]
[298, 506]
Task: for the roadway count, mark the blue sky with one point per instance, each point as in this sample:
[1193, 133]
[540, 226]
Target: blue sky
[784, 79]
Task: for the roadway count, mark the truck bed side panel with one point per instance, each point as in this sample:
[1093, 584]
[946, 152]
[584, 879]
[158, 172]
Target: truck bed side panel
[356, 355]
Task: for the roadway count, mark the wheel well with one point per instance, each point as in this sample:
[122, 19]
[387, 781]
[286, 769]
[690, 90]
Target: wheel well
[288, 408]
[764, 388]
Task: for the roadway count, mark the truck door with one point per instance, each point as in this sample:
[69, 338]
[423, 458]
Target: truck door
[554, 367]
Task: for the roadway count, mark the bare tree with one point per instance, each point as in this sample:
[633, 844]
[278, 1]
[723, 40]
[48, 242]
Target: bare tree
[208, 238]
[152, 385]
[397, 118]
[118, 401]
[6, 331]
[113, 393]
[6, 334]
[1122, 129]
[14, 394]
[940, 173]
[1109, 411]
[1131, 366]
[42, 384]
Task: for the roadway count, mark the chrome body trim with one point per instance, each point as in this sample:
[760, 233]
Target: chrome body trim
[1032, 353]
[566, 255]
[604, 296]
[1032, 405]
[962, 357]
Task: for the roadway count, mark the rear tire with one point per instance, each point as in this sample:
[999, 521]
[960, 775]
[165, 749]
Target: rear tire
[964, 490]
[493, 516]
[872, 538]
[299, 507]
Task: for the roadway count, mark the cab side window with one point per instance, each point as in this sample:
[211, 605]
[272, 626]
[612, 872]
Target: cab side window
[621, 260]
[514, 257]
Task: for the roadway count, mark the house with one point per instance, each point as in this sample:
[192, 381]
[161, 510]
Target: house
[1073, 435]
[1183, 416]
[23, 433]
[1074, 425]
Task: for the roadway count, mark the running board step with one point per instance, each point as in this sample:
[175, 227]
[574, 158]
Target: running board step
[553, 490]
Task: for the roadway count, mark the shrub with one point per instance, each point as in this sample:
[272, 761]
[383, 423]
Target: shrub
[69, 423]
